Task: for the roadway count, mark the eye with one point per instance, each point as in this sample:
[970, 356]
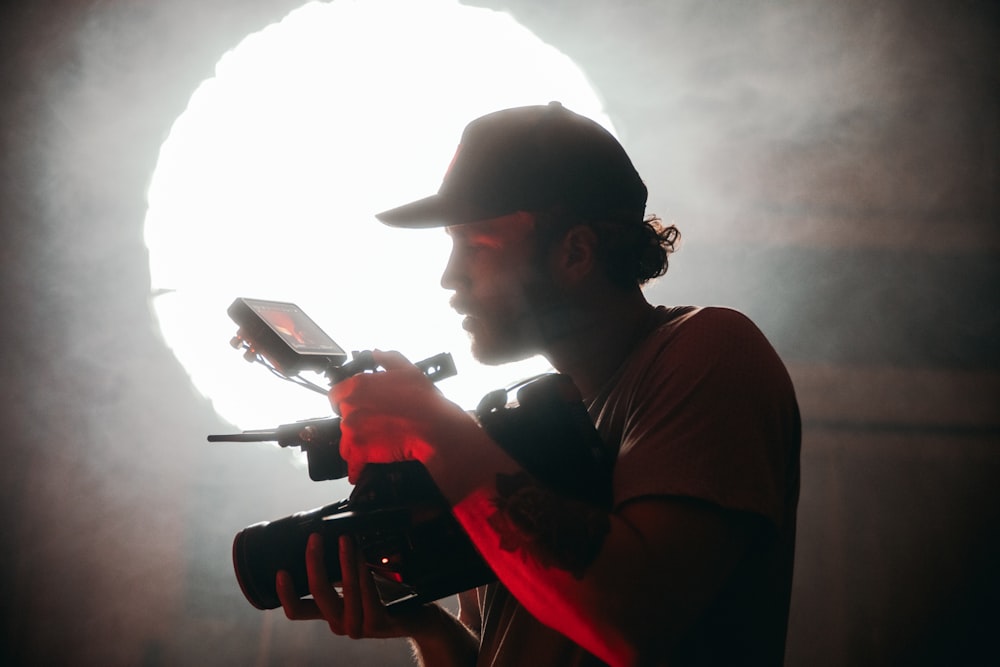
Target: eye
[467, 246]
[483, 242]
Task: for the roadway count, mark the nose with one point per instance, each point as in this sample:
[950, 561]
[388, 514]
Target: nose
[451, 276]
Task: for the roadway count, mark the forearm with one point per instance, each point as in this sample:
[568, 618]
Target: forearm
[562, 559]
[560, 567]
[445, 642]
[625, 585]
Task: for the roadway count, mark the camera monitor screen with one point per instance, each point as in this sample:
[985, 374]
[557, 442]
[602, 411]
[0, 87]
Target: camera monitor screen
[288, 336]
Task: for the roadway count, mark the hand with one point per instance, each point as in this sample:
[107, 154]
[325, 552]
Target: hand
[358, 612]
[396, 415]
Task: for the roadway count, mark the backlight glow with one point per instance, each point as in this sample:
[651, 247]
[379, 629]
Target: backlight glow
[267, 185]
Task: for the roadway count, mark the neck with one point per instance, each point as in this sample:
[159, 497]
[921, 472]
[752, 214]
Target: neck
[604, 332]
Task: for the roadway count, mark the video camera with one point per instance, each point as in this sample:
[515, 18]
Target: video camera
[409, 539]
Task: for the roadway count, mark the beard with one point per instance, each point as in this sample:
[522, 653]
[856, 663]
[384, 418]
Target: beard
[516, 327]
[495, 342]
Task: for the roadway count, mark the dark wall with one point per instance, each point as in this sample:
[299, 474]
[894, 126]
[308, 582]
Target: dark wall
[842, 191]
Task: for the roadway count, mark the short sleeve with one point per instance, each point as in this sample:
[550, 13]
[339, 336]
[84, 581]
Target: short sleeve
[705, 409]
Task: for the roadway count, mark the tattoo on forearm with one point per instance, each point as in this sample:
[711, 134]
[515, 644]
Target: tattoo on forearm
[545, 527]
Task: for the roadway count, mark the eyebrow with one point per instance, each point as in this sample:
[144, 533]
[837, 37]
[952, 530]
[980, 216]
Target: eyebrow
[468, 230]
[484, 238]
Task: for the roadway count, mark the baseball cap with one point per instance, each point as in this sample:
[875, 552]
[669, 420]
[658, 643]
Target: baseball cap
[529, 159]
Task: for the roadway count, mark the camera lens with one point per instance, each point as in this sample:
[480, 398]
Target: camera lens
[261, 550]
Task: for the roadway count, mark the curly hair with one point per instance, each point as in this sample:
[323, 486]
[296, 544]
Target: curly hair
[633, 250]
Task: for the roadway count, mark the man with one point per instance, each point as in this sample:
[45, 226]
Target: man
[692, 564]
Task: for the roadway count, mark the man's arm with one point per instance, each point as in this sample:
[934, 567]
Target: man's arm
[624, 585]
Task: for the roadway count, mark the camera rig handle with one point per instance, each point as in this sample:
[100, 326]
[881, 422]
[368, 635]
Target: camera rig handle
[320, 438]
[438, 367]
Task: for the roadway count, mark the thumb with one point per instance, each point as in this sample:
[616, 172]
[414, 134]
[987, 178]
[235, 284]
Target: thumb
[391, 360]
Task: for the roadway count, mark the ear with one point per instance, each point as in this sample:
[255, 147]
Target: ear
[577, 254]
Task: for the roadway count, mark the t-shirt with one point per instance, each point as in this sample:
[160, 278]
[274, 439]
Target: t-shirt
[703, 408]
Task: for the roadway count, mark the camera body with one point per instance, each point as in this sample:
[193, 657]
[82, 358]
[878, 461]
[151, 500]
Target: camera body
[396, 515]
[409, 539]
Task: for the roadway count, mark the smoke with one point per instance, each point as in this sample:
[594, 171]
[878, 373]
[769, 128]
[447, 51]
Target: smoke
[830, 165]
[833, 167]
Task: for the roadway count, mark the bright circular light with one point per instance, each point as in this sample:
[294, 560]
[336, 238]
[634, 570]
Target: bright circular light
[267, 185]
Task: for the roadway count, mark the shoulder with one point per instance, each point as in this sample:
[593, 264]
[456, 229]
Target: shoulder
[705, 409]
[709, 354]
[702, 319]
[698, 333]
[708, 351]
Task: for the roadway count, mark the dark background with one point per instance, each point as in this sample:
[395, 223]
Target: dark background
[839, 183]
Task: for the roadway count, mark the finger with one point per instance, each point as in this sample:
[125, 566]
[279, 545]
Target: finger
[354, 617]
[325, 596]
[373, 608]
[338, 394]
[295, 608]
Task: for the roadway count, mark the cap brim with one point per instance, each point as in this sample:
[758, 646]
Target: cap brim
[436, 211]
[427, 212]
